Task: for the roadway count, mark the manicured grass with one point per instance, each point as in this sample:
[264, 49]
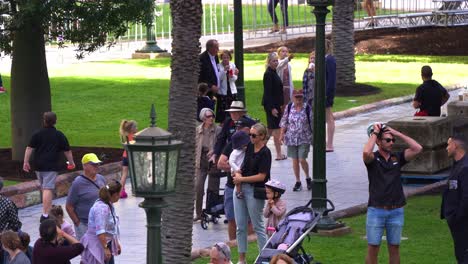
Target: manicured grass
[426, 239]
[9, 183]
[91, 98]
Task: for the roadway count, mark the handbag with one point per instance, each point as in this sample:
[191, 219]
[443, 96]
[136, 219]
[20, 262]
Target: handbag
[260, 193]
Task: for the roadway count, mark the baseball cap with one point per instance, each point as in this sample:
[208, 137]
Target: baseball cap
[244, 122]
[90, 157]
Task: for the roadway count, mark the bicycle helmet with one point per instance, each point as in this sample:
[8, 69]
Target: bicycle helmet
[370, 128]
[276, 186]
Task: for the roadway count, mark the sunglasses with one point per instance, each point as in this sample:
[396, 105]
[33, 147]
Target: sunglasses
[389, 139]
[220, 248]
[253, 135]
[209, 116]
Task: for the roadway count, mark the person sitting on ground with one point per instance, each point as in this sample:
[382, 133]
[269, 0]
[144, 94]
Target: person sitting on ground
[12, 245]
[203, 100]
[220, 254]
[8, 213]
[25, 247]
[57, 213]
[240, 140]
[46, 249]
[275, 208]
[282, 259]
[430, 95]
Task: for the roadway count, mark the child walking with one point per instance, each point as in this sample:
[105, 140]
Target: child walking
[240, 140]
[275, 208]
[127, 130]
[203, 100]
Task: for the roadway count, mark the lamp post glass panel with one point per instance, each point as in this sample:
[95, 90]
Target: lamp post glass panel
[153, 159]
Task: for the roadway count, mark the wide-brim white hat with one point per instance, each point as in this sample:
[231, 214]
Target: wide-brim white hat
[237, 106]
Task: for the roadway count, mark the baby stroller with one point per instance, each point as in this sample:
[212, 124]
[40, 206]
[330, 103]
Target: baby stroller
[290, 232]
[214, 206]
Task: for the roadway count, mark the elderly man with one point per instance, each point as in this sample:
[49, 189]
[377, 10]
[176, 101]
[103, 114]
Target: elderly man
[386, 197]
[47, 144]
[220, 254]
[8, 213]
[430, 95]
[83, 192]
[455, 197]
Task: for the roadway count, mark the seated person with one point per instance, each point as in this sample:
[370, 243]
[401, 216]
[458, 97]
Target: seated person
[220, 254]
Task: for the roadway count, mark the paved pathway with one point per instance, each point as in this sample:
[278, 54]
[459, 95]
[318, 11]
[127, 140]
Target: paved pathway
[346, 174]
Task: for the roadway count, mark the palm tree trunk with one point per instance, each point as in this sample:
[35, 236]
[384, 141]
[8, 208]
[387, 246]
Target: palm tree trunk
[177, 218]
[30, 87]
[343, 40]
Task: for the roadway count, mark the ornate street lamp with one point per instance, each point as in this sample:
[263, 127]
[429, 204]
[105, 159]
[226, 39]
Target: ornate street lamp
[319, 183]
[153, 161]
[151, 46]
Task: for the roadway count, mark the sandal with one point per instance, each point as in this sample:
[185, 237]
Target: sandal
[282, 157]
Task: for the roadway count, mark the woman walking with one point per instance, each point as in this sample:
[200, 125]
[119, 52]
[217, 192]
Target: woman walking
[101, 241]
[255, 172]
[272, 101]
[127, 130]
[227, 85]
[296, 133]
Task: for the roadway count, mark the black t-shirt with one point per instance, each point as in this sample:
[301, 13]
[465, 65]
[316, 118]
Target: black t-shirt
[430, 94]
[385, 188]
[48, 144]
[255, 163]
[227, 152]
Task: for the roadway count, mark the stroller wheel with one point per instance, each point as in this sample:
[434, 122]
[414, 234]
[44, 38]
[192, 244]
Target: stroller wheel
[204, 223]
[214, 219]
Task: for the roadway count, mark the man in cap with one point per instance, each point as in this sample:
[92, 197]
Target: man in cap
[8, 213]
[220, 254]
[47, 144]
[455, 197]
[83, 192]
[430, 95]
[236, 112]
[386, 197]
[243, 124]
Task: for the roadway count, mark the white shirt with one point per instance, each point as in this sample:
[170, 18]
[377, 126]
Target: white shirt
[215, 67]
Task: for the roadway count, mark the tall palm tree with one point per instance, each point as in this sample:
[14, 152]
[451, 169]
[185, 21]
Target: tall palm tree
[343, 40]
[177, 218]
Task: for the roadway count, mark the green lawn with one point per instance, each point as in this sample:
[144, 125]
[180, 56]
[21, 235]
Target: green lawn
[91, 98]
[426, 239]
[9, 183]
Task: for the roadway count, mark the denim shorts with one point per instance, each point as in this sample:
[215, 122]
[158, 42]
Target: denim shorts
[299, 152]
[379, 220]
[47, 179]
[228, 203]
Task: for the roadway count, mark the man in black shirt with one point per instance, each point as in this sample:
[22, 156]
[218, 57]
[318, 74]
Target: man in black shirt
[386, 197]
[47, 144]
[430, 95]
[455, 197]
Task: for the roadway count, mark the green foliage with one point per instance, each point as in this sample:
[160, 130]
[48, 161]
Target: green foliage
[426, 239]
[91, 98]
[86, 23]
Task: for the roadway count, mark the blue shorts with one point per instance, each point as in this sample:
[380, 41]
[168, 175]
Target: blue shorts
[379, 220]
[47, 179]
[125, 161]
[228, 203]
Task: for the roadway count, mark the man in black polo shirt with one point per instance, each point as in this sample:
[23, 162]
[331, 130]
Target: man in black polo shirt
[455, 197]
[386, 197]
[430, 95]
[47, 144]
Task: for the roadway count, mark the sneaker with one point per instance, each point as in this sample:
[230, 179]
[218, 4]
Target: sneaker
[309, 183]
[297, 187]
[123, 194]
[43, 218]
[2, 90]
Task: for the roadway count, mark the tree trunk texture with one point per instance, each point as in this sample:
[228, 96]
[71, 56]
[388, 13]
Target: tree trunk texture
[177, 218]
[343, 41]
[30, 87]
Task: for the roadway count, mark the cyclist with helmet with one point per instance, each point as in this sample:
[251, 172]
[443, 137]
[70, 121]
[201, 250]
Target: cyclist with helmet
[275, 208]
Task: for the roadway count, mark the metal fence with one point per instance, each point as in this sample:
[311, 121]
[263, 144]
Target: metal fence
[218, 17]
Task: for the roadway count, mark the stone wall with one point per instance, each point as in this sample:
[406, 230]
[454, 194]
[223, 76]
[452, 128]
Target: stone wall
[28, 193]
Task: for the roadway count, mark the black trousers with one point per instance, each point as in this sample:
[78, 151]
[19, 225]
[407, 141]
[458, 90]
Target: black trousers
[460, 241]
[284, 11]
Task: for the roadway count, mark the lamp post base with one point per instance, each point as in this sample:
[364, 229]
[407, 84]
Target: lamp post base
[153, 208]
[151, 47]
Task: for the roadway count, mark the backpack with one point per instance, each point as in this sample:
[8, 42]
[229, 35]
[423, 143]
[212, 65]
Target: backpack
[308, 110]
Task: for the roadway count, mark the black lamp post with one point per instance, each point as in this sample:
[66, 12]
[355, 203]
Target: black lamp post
[319, 183]
[239, 50]
[151, 45]
[153, 161]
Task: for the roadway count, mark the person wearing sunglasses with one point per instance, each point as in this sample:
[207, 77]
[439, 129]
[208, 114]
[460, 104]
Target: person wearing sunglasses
[205, 139]
[220, 254]
[386, 197]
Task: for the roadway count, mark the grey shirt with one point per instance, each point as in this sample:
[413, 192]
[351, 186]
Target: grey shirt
[21, 258]
[82, 195]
